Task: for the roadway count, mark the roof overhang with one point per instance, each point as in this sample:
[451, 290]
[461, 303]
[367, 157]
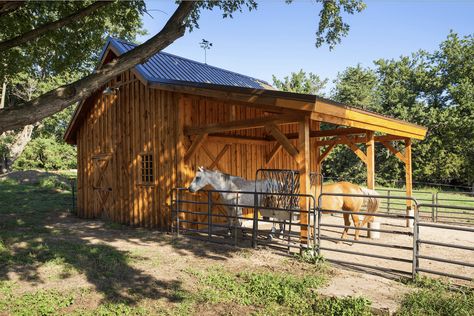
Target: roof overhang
[318, 108]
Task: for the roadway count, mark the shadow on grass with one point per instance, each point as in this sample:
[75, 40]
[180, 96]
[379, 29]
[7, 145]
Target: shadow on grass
[33, 233]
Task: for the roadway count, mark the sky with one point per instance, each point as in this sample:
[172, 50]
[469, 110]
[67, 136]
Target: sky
[277, 38]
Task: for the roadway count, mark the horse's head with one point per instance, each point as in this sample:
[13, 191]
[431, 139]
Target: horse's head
[201, 179]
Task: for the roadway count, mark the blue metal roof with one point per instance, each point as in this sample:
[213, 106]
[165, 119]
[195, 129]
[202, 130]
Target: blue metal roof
[164, 67]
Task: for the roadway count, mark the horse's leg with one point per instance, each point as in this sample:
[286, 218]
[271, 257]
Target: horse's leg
[240, 221]
[230, 219]
[282, 229]
[355, 219]
[347, 223]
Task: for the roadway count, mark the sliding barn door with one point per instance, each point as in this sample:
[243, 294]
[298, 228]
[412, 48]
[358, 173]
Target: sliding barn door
[102, 185]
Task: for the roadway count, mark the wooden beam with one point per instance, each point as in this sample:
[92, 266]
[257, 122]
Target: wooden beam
[218, 157]
[340, 114]
[330, 132]
[238, 139]
[325, 153]
[281, 138]
[361, 140]
[263, 99]
[349, 142]
[197, 142]
[394, 151]
[303, 160]
[370, 144]
[318, 159]
[389, 138]
[241, 125]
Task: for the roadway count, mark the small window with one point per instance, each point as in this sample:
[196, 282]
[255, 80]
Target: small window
[147, 175]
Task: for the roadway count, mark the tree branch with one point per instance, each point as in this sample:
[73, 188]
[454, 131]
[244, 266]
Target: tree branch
[35, 33]
[10, 6]
[60, 98]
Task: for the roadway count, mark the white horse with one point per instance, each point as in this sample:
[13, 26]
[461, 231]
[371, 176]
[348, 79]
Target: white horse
[236, 201]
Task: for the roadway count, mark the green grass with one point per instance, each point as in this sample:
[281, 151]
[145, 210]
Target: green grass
[434, 297]
[54, 302]
[270, 293]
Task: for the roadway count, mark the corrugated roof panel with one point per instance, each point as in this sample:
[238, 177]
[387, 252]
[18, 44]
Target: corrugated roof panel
[164, 66]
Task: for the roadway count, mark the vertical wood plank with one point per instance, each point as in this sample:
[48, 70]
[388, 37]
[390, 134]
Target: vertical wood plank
[303, 160]
[408, 177]
[370, 144]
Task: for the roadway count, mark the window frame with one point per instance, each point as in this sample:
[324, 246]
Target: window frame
[147, 169]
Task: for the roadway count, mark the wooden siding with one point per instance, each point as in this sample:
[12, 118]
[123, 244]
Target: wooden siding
[119, 128]
[139, 120]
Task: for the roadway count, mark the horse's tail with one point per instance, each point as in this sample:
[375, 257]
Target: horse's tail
[372, 203]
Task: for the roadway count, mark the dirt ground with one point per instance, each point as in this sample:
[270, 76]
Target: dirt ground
[175, 255]
[397, 226]
[160, 261]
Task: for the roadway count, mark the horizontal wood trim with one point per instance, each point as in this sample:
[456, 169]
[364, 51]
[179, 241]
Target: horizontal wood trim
[241, 124]
[237, 139]
[330, 132]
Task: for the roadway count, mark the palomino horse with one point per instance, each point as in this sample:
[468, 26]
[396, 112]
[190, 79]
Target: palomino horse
[350, 203]
[236, 201]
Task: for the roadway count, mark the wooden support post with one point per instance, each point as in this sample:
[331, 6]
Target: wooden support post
[370, 160]
[318, 159]
[408, 177]
[303, 161]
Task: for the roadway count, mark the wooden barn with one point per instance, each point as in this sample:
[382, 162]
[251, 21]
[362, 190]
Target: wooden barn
[148, 130]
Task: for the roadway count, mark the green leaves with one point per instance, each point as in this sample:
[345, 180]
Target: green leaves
[300, 82]
[434, 89]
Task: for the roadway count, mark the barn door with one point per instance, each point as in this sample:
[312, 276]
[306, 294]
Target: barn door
[102, 185]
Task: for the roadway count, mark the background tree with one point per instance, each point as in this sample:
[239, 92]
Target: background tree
[331, 29]
[435, 90]
[301, 82]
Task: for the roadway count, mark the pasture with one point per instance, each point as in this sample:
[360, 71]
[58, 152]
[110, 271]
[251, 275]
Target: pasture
[54, 263]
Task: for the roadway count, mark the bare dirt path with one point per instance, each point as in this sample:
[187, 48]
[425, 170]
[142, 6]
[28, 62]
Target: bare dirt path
[157, 262]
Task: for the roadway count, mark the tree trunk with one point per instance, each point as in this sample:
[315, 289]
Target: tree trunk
[21, 140]
[16, 148]
[62, 97]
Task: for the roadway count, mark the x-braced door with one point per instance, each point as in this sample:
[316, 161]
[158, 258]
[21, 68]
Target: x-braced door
[102, 185]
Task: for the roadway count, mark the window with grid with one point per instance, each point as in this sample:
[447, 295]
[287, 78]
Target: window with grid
[147, 168]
